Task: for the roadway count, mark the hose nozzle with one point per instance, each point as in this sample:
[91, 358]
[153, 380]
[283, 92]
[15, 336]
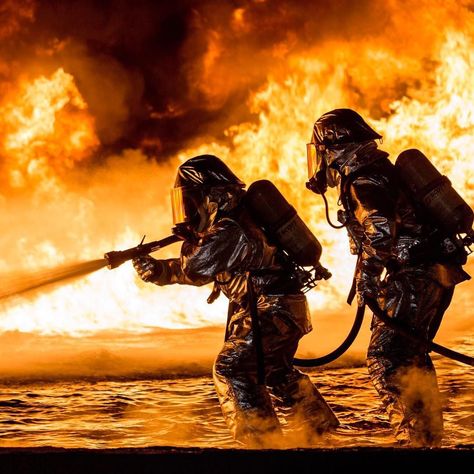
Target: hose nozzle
[115, 258]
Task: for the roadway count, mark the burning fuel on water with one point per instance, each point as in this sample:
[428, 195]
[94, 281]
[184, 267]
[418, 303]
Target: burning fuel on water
[96, 115]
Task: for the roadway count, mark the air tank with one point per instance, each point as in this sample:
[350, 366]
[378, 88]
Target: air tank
[434, 191]
[280, 220]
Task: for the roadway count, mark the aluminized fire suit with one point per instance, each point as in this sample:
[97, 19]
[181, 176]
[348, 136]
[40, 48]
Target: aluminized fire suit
[234, 253]
[416, 290]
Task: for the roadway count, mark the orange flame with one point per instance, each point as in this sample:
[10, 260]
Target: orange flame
[47, 129]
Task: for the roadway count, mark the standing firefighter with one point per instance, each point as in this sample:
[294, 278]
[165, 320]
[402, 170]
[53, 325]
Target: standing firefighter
[391, 234]
[223, 244]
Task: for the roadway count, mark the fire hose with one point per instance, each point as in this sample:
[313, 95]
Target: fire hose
[392, 324]
[382, 315]
[336, 353]
[409, 334]
[116, 258]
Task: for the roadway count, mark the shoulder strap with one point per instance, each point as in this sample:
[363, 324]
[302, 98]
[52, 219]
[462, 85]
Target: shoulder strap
[345, 197]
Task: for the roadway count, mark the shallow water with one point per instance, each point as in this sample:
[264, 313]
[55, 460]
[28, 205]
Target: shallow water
[184, 411]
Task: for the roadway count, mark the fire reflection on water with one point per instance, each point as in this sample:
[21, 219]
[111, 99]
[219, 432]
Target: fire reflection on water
[184, 411]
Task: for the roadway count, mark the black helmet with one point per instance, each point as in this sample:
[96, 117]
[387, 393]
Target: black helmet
[205, 170]
[336, 134]
[342, 126]
[204, 184]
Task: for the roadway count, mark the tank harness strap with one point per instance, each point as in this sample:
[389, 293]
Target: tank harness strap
[353, 290]
[344, 198]
[346, 203]
[231, 309]
[431, 346]
[257, 333]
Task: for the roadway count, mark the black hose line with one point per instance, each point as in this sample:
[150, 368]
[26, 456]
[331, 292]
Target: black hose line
[392, 324]
[335, 354]
[430, 345]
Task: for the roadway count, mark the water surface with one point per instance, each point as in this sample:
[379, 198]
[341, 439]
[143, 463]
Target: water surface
[184, 411]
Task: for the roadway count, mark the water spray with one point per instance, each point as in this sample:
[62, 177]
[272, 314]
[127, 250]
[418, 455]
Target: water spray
[15, 286]
[113, 259]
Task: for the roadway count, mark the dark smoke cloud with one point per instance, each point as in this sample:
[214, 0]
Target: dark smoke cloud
[161, 75]
[12, 16]
[157, 75]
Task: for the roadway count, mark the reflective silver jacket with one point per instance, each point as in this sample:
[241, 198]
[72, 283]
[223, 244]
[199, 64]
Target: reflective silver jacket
[229, 252]
[382, 222]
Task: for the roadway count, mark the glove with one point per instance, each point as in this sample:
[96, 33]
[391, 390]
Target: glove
[148, 268]
[367, 287]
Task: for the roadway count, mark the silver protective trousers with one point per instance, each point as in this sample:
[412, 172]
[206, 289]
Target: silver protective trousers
[247, 405]
[402, 371]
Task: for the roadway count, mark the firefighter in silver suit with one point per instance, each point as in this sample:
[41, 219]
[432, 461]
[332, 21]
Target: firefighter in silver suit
[391, 238]
[224, 246]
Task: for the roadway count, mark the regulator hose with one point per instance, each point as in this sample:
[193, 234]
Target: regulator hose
[430, 345]
[336, 353]
[326, 208]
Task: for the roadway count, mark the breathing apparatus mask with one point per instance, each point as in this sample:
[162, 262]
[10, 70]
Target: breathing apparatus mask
[320, 172]
[204, 186]
[196, 208]
[192, 209]
[337, 136]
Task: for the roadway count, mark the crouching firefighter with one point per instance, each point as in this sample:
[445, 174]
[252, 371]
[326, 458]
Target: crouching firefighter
[405, 221]
[268, 312]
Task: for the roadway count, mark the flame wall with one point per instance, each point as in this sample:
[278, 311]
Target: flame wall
[100, 104]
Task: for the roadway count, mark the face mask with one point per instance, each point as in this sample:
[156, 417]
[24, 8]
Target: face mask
[315, 159]
[185, 204]
[338, 156]
[319, 173]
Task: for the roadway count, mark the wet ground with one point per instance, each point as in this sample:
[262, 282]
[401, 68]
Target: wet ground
[148, 411]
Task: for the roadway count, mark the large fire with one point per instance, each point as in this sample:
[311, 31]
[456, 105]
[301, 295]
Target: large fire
[45, 127]
[47, 135]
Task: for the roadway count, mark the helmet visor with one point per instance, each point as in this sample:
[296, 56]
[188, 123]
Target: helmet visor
[185, 204]
[315, 157]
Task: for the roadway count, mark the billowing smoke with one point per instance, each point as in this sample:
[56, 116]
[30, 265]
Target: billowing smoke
[160, 75]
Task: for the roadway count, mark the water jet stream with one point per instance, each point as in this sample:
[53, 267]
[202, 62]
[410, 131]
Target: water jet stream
[17, 285]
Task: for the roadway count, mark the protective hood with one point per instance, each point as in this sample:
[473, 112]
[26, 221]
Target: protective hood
[204, 186]
[351, 157]
[206, 170]
[342, 126]
[340, 139]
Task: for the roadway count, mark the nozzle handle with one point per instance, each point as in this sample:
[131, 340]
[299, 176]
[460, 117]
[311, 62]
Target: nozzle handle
[115, 258]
